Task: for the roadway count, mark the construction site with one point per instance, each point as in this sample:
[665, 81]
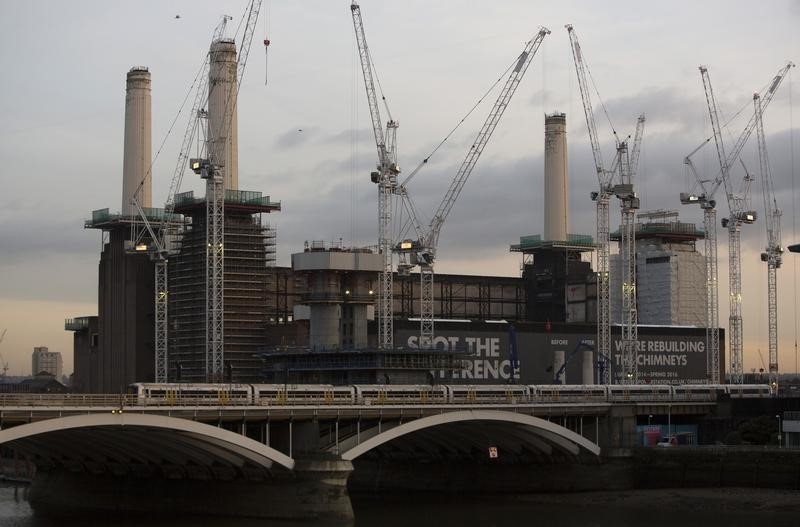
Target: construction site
[191, 292]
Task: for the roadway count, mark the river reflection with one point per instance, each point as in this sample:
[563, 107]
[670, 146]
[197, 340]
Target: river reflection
[660, 508]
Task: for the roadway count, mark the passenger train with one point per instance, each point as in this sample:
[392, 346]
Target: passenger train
[183, 394]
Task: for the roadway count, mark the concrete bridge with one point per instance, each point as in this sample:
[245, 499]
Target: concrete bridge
[296, 458]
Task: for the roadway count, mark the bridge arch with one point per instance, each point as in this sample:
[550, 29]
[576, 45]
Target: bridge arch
[139, 439]
[513, 429]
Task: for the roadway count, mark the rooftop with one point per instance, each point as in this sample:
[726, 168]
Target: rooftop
[663, 224]
[534, 242]
[246, 201]
[104, 219]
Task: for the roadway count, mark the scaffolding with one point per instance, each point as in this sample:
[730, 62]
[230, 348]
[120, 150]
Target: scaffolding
[248, 283]
[462, 297]
[671, 272]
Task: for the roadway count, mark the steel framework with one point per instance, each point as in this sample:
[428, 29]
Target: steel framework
[627, 163]
[738, 215]
[215, 210]
[773, 255]
[422, 251]
[624, 167]
[385, 178]
[161, 236]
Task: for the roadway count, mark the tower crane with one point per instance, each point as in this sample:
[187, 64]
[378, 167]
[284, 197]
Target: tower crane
[386, 179]
[738, 215]
[212, 169]
[213, 173]
[629, 202]
[422, 250]
[624, 167]
[160, 235]
[773, 255]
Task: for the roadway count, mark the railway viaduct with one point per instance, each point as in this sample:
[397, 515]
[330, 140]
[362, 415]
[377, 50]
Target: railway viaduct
[295, 461]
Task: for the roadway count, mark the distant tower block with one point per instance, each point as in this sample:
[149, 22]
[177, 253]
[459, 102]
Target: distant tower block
[138, 142]
[556, 223]
[222, 92]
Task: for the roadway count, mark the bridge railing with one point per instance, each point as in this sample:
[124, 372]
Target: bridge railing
[49, 399]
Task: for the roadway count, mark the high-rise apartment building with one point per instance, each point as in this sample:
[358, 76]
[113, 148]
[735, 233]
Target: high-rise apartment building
[44, 360]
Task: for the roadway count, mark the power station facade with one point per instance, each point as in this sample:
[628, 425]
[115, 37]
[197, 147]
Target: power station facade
[326, 301]
[122, 349]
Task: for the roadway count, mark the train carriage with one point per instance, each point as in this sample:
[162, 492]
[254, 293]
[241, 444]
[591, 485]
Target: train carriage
[639, 392]
[301, 394]
[189, 394]
[697, 392]
[487, 394]
[569, 392]
[400, 394]
[748, 391]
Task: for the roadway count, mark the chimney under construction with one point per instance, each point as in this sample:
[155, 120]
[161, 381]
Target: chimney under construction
[556, 220]
[222, 91]
[558, 283]
[137, 157]
[248, 258]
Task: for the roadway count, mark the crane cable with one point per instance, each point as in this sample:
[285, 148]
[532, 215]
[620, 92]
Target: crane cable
[267, 18]
[602, 104]
[794, 213]
[427, 158]
[380, 86]
[171, 126]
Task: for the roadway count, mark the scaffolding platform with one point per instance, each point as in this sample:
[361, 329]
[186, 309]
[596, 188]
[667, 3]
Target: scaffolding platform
[534, 242]
[105, 220]
[240, 201]
[663, 224]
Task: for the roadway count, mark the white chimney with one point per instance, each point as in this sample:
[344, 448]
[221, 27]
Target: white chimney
[222, 92]
[556, 221]
[137, 156]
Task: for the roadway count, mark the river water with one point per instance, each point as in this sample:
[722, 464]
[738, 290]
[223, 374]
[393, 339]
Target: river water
[658, 508]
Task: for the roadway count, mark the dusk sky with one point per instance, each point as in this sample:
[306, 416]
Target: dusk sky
[305, 137]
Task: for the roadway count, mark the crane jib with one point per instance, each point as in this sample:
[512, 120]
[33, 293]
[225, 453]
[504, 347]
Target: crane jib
[523, 56]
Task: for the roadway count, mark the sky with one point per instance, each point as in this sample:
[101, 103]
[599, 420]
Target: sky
[305, 136]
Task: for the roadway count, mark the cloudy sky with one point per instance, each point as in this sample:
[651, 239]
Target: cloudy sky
[305, 136]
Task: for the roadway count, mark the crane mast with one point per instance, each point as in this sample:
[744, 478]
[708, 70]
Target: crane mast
[215, 211]
[737, 203]
[423, 251]
[212, 168]
[708, 204]
[773, 254]
[161, 235]
[627, 163]
[734, 237]
[385, 178]
[601, 198]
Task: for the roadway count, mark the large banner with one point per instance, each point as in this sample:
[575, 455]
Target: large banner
[668, 359]
[662, 358]
[489, 362]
